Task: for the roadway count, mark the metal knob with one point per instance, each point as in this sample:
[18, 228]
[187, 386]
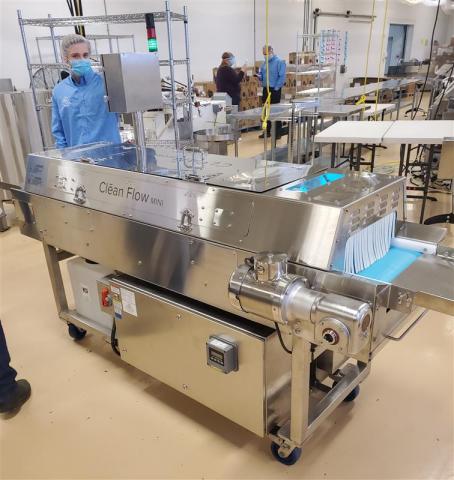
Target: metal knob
[270, 267]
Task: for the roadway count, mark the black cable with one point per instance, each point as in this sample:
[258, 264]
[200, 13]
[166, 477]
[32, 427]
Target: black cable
[444, 90]
[113, 340]
[281, 340]
[70, 7]
[430, 61]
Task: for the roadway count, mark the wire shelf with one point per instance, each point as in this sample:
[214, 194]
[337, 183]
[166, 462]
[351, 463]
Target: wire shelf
[90, 37]
[63, 66]
[119, 19]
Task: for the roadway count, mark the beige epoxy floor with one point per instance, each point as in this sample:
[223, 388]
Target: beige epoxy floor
[93, 416]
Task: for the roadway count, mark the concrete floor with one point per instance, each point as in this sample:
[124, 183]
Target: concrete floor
[93, 416]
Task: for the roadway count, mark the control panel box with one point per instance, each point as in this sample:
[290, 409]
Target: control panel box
[133, 81]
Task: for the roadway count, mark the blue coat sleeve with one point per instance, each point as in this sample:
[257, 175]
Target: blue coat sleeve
[282, 68]
[57, 126]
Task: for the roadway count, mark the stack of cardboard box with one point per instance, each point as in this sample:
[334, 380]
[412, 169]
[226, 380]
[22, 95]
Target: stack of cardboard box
[300, 58]
[250, 89]
[204, 89]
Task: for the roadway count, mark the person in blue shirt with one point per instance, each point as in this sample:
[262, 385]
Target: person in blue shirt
[277, 79]
[79, 108]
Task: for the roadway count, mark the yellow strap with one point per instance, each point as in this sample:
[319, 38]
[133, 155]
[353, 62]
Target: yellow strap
[362, 99]
[267, 103]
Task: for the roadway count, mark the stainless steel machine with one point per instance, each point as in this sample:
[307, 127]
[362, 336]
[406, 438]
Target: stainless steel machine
[230, 279]
[261, 289]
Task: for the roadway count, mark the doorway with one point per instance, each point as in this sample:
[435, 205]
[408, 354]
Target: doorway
[398, 41]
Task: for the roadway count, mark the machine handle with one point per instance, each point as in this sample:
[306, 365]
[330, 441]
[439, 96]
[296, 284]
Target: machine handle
[186, 220]
[405, 333]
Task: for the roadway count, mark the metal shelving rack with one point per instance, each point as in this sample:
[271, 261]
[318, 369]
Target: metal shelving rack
[56, 22]
[311, 44]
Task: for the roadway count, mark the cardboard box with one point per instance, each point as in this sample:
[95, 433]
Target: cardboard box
[300, 58]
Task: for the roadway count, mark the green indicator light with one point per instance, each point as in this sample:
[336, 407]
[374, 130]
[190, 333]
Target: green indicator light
[152, 45]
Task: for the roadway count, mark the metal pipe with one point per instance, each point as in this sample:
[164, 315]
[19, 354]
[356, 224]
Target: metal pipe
[319, 13]
[108, 28]
[255, 36]
[54, 43]
[188, 69]
[30, 74]
[39, 51]
[141, 148]
[172, 81]
[300, 388]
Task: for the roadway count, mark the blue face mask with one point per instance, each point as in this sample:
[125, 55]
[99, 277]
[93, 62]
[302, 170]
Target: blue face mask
[232, 61]
[81, 67]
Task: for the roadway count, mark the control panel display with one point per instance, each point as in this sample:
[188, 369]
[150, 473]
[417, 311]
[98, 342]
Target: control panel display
[222, 354]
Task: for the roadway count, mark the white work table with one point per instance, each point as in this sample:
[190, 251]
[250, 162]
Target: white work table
[354, 132]
[410, 132]
[402, 132]
[417, 132]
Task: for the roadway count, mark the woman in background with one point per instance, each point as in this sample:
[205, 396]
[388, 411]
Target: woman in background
[227, 79]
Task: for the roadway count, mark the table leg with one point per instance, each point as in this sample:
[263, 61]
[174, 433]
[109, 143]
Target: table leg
[333, 155]
[298, 140]
[402, 159]
[273, 141]
[372, 161]
[426, 183]
[399, 98]
[358, 157]
[407, 161]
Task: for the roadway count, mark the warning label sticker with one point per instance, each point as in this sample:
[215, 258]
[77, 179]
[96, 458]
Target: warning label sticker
[128, 299]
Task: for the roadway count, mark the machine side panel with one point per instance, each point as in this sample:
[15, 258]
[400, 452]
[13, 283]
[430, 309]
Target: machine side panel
[168, 341]
[195, 268]
[305, 232]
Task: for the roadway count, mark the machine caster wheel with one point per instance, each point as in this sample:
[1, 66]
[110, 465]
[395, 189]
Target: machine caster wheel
[352, 395]
[290, 460]
[76, 332]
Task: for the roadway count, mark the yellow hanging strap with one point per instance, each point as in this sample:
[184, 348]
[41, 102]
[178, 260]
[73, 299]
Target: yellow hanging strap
[267, 103]
[382, 51]
[363, 96]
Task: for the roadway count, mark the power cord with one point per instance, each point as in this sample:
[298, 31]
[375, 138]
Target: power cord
[113, 340]
[430, 61]
[281, 340]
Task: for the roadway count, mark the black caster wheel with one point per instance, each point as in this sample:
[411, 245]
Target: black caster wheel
[352, 395]
[290, 460]
[76, 332]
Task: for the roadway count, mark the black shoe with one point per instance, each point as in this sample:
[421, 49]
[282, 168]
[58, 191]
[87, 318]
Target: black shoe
[268, 135]
[278, 136]
[16, 397]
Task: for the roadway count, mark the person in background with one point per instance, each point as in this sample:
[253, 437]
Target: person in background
[79, 109]
[277, 79]
[13, 393]
[227, 79]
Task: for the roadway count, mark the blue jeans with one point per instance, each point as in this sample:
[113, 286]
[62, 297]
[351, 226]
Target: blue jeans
[7, 373]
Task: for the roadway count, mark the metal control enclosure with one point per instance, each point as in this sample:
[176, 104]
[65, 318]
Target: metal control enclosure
[133, 81]
[171, 347]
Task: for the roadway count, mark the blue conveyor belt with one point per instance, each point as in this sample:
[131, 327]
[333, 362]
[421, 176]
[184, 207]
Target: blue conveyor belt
[316, 182]
[391, 265]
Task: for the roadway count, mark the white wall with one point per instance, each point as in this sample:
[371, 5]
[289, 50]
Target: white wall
[217, 25]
